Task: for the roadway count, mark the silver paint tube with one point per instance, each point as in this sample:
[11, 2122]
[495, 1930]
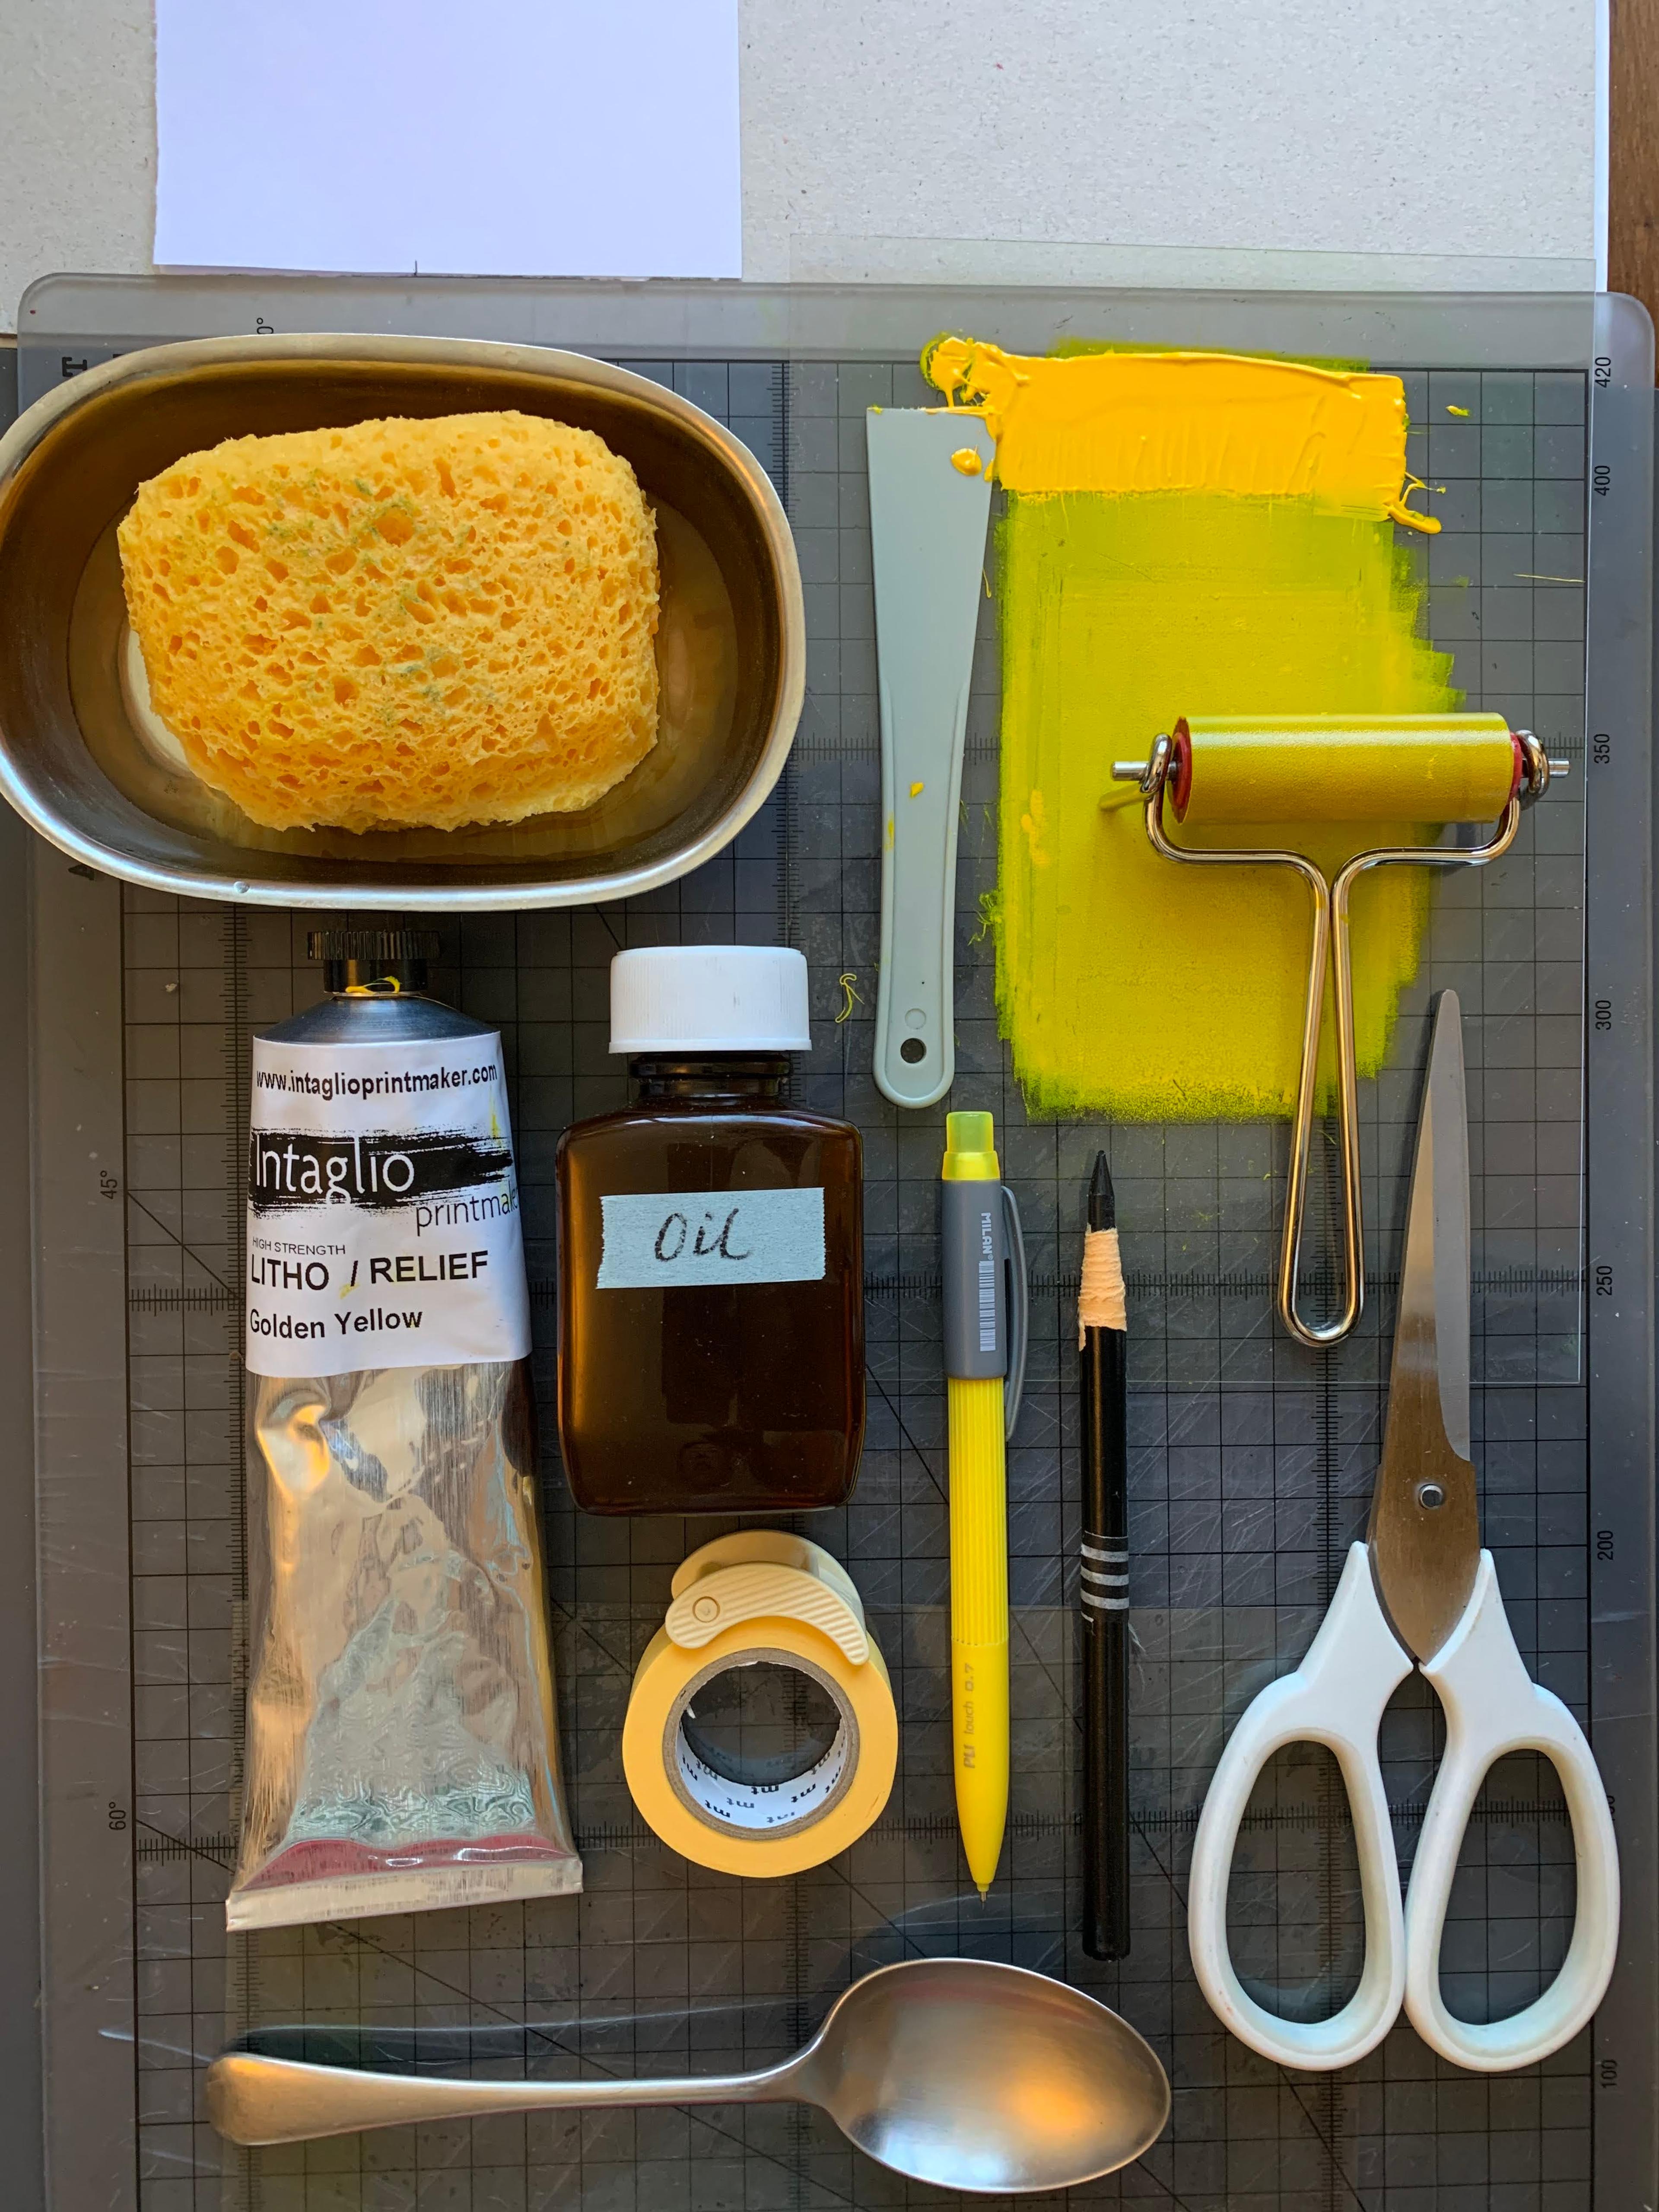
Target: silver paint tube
[401, 1748]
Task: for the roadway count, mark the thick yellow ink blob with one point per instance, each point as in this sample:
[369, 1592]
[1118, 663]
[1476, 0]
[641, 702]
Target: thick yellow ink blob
[1212, 561]
[1185, 421]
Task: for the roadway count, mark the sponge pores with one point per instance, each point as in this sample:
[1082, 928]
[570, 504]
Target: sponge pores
[400, 623]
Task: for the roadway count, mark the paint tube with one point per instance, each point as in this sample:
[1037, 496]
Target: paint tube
[401, 1749]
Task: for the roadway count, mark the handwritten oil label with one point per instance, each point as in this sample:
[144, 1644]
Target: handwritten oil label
[383, 1209]
[667, 1238]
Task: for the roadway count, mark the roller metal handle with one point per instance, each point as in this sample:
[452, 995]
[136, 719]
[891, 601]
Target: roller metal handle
[1493, 1707]
[927, 523]
[1330, 948]
[1336, 1697]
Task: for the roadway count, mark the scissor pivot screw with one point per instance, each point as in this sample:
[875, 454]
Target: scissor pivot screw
[1430, 1496]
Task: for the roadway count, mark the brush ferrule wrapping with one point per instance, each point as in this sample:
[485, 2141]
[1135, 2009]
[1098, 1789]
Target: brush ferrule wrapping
[1101, 1300]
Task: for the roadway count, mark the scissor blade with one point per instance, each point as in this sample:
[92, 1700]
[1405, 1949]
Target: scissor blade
[1426, 1532]
[1435, 1267]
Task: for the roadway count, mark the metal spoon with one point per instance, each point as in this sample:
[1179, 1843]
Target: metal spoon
[957, 2071]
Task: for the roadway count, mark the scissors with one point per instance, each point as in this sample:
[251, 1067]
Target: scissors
[1420, 1591]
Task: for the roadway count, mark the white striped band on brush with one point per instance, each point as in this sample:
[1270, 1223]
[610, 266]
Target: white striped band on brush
[1105, 1564]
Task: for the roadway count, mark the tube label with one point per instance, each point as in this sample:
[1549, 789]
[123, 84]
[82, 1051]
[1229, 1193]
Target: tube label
[662, 1239]
[383, 1224]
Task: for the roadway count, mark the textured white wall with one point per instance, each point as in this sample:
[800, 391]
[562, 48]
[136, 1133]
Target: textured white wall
[1220, 134]
[78, 139]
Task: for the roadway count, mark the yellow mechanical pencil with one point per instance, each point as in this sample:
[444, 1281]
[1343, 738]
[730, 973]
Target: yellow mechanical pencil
[982, 1263]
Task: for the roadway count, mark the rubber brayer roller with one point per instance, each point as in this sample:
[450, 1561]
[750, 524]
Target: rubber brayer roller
[1272, 771]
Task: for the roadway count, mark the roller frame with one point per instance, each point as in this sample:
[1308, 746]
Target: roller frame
[1330, 949]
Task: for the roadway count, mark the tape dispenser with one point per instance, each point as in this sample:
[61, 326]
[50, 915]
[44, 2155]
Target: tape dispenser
[760, 1597]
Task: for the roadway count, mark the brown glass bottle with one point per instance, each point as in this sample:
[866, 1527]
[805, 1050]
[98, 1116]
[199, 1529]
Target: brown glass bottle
[713, 1397]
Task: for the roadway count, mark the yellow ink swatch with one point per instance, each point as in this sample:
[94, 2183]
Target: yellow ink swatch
[1238, 558]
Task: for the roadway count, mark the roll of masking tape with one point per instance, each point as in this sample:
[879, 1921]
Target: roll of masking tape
[756, 1598]
[1311, 768]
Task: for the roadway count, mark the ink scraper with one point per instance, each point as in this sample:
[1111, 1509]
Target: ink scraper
[930, 500]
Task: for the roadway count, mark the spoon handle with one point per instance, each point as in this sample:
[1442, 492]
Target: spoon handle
[253, 2100]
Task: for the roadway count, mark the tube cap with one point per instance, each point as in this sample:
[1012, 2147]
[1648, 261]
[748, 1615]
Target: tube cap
[709, 998]
[373, 959]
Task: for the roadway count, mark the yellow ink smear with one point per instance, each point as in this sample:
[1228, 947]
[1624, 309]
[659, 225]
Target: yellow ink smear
[916, 790]
[1124, 983]
[1450, 410]
[1185, 421]
[966, 461]
[1031, 821]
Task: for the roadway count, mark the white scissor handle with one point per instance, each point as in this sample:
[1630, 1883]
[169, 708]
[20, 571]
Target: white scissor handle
[1336, 1697]
[1493, 1706]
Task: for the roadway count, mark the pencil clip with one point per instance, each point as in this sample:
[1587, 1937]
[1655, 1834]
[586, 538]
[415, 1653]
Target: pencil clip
[1020, 1314]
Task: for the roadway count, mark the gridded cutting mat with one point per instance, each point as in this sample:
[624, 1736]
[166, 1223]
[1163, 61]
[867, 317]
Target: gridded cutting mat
[1251, 1468]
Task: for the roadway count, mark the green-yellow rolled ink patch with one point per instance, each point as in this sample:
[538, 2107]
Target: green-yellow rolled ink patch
[1200, 535]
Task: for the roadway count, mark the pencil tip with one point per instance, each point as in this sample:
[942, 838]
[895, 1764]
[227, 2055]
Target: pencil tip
[1103, 1202]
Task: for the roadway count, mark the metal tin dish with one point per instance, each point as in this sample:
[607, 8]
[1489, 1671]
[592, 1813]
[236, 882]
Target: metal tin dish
[83, 760]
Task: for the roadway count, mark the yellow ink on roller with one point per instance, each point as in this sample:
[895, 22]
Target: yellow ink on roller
[1209, 536]
[1439, 767]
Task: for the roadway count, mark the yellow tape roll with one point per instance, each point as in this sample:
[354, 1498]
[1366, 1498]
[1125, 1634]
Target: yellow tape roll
[1314, 767]
[755, 1596]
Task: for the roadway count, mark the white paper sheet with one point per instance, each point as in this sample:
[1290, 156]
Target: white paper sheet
[505, 138]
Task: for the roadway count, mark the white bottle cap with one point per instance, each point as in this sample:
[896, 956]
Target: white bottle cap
[709, 998]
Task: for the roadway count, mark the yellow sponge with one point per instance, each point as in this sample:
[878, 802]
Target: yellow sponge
[400, 623]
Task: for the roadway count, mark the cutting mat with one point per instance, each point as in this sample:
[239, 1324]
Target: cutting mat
[1252, 1461]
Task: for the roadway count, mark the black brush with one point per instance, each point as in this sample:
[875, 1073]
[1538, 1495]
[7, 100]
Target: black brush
[1104, 1583]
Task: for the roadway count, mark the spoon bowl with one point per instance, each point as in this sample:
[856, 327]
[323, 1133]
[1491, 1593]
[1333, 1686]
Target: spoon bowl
[984, 2077]
[961, 2072]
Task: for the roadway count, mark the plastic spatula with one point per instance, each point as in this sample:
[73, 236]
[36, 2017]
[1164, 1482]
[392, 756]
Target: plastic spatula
[927, 521]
